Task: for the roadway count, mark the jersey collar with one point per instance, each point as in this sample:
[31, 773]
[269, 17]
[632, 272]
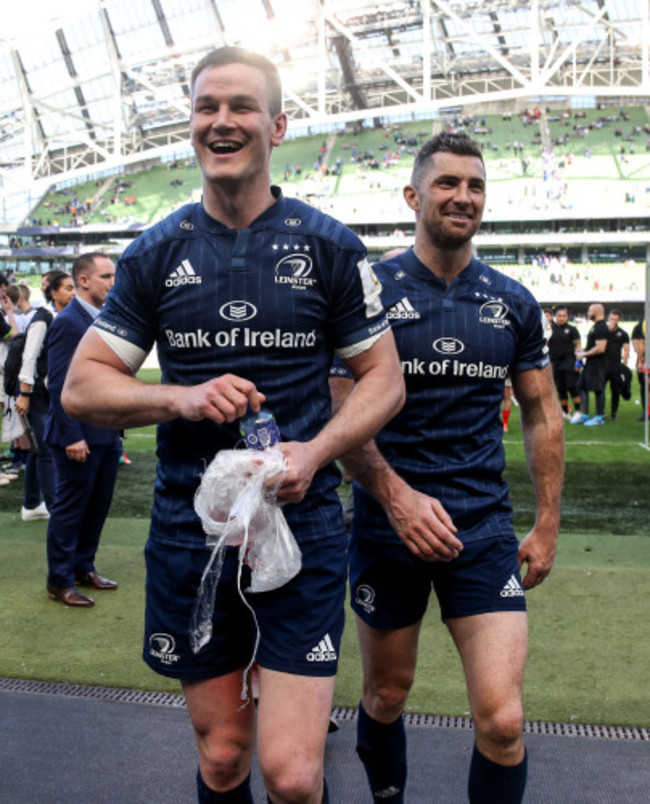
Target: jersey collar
[419, 269]
[207, 223]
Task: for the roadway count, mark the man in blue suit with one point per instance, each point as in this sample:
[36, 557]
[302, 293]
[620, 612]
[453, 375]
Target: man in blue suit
[86, 457]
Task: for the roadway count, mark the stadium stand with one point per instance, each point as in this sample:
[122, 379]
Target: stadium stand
[548, 171]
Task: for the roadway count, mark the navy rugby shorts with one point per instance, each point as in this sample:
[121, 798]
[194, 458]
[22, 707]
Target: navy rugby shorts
[390, 587]
[300, 623]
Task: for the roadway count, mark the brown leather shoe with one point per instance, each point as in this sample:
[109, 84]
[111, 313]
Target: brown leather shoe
[70, 596]
[96, 581]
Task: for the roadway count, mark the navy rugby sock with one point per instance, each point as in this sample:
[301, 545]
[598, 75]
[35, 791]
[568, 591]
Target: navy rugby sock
[490, 783]
[240, 795]
[382, 749]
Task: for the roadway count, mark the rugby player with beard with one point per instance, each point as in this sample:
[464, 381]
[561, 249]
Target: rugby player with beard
[431, 508]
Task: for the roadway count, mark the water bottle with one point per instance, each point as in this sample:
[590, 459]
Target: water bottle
[259, 430]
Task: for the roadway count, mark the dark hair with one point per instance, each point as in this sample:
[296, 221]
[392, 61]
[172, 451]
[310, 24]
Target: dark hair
[445, 142]
[84, 263]
[55, 282]
[560, 307]
[239, 55]
[617, 312]
[49, 274]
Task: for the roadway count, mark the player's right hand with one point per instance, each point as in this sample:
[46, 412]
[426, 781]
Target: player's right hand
[424, 526]
[222, 399]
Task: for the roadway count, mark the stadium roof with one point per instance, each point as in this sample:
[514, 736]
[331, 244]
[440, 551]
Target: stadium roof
[92, 86]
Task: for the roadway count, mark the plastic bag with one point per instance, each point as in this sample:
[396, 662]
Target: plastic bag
[237, 509]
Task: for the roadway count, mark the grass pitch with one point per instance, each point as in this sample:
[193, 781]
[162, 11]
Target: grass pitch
[589, 650]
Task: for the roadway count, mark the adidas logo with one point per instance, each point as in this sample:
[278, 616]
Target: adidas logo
[183, 275]
[323, 652]
[403, 309]
[388, 792]
[512, 588]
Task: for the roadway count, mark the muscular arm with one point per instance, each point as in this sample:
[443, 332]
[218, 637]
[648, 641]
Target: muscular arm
[599, 348]
[100, 389]
[374, 398]
[638, 344]
[541, 421]
[419, 520]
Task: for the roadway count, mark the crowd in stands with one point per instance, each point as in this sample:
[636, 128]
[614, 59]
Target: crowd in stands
[555, 277]
[348, 166]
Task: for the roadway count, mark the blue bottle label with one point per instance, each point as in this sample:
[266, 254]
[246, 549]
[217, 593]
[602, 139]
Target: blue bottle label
[259, 430]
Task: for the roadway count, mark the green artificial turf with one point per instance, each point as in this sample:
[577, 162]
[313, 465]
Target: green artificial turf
[589, 651]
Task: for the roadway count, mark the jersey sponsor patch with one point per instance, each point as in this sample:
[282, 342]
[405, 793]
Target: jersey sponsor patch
[294, 270]
[183, 274]
[448, 346]
[494, 312]
[402, 310]
[238, 310]
[371, 289]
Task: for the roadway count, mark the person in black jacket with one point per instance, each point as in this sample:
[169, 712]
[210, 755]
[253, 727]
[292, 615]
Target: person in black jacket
[562, 347]
[617, 354]
[594, 374]
[638, 344]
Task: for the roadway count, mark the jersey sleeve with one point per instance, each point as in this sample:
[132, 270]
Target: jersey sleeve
[357, 318]
[339, 369]
[532, 348]
[127, 320]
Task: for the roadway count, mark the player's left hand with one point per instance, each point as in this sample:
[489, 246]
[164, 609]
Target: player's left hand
[299, 472]
[537, 551]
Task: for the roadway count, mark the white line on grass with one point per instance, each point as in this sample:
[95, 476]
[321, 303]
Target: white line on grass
[572, 443]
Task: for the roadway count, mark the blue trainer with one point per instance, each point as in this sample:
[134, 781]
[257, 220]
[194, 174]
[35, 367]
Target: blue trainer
[595, 421]
[579, 418]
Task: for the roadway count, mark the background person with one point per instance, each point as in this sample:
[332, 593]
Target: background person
[617, 353]
[8, 330]
[638, 344]
[33, 399]
[12, 428]
[85, 456]
[563, 345]
[23, 310]
[431, 505]
[8, 326]
[306, 288]
[594, 373]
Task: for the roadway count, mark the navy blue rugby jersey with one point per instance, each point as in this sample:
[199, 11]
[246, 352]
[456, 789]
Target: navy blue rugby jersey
[271, 303]
[456, 344]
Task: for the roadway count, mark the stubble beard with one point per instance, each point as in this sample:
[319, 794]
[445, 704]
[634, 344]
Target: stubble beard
[448, 241]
